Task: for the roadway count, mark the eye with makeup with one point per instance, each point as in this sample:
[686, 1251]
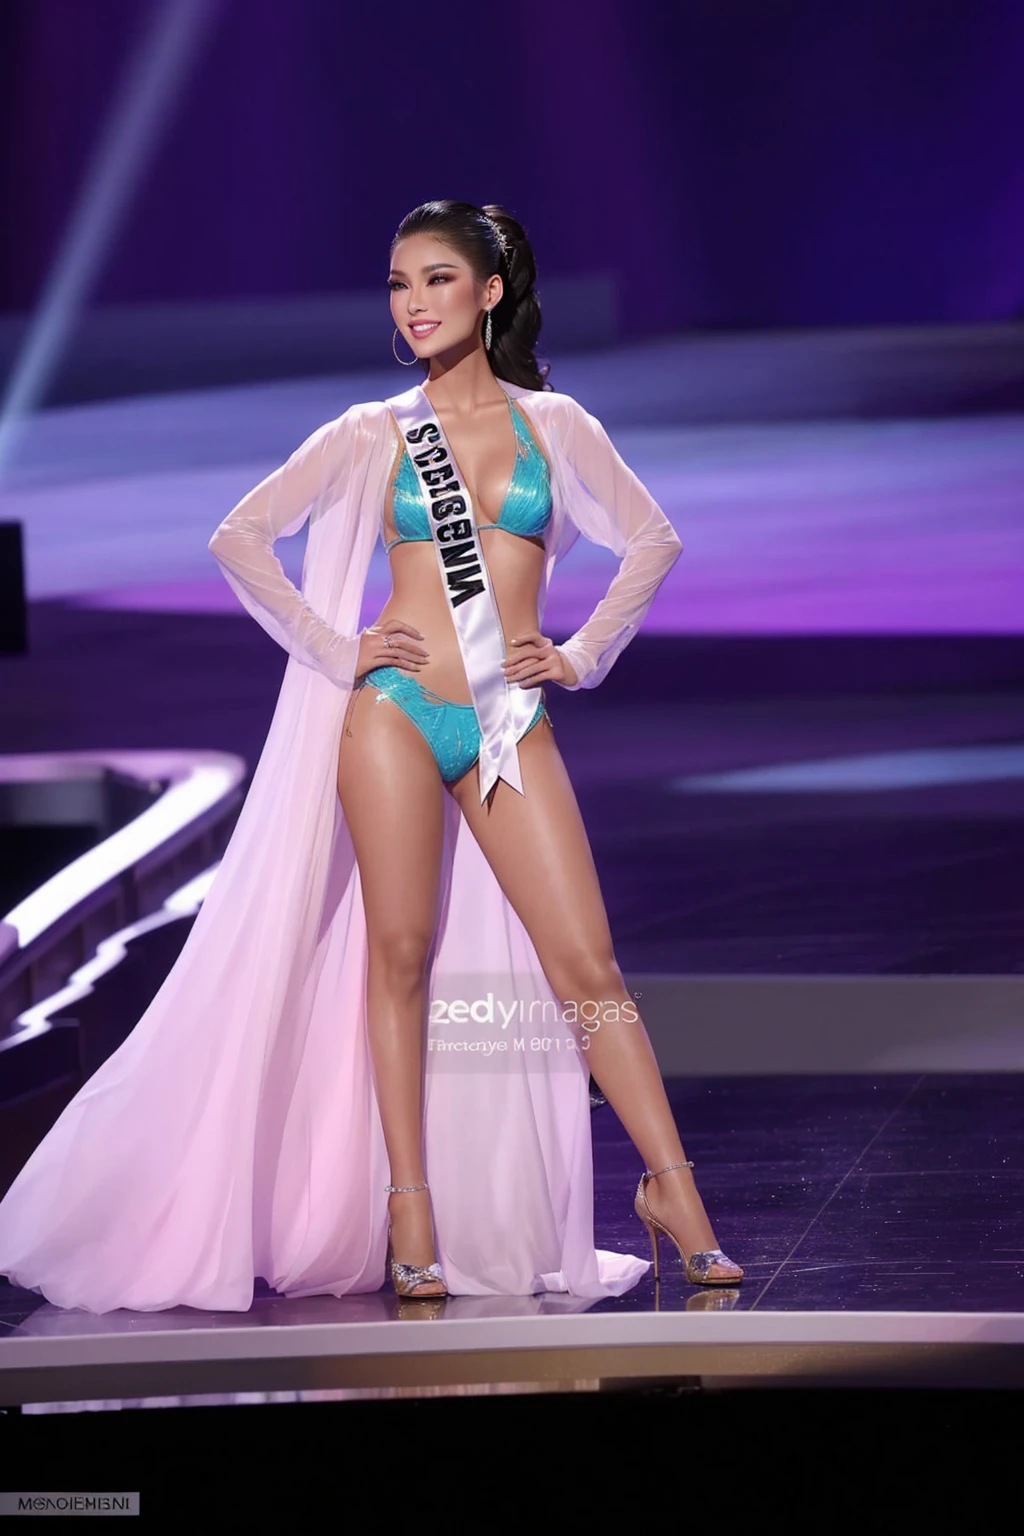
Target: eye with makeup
[394, 283]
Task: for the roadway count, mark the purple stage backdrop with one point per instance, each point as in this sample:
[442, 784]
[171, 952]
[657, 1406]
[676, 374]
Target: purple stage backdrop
[734, 164]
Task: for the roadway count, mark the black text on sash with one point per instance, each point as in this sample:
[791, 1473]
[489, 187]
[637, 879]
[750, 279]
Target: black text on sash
[448, 506]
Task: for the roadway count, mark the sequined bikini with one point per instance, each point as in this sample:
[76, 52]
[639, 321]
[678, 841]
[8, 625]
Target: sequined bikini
[525, 511]
[451, 730]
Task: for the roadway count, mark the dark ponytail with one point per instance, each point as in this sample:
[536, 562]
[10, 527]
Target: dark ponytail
[516, 318]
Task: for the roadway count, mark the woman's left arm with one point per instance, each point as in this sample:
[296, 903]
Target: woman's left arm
[625, 518]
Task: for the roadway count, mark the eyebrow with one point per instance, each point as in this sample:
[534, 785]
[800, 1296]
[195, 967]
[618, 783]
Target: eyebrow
[434, 266]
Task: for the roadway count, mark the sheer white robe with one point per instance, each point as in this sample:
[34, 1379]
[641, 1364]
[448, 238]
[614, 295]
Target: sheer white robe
[235, 1133]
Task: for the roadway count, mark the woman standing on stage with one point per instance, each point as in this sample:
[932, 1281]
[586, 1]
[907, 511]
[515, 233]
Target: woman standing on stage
[463, 298]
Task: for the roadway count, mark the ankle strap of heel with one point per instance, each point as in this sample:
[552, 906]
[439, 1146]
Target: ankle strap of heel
[403, 1189]
[653, 1173]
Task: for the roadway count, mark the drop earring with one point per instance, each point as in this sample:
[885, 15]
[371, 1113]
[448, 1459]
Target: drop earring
[487, 332]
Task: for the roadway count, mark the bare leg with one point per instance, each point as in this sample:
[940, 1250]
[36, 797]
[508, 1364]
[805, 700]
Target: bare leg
[393, 800]
[538, 848]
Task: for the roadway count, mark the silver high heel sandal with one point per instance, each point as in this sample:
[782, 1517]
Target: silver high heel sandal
[407, 1278]
[697, 1265]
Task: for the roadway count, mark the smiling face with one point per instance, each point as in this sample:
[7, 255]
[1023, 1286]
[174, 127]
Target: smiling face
[437, 302]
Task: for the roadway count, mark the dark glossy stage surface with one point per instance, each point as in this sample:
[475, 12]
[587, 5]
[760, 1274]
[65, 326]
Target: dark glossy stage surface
[846, 1193]
[839, 1194]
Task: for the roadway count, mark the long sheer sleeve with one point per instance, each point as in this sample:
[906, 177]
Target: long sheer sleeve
[243, 546]
[618, 512]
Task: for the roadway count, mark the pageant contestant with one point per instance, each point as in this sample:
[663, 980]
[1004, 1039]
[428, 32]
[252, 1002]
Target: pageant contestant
[373, 1051]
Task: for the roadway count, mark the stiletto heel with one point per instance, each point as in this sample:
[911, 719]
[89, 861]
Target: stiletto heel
[407, 1278]
[652, 1233]
[698, 1266]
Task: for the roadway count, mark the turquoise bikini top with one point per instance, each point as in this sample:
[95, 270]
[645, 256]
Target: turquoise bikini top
[525, 511]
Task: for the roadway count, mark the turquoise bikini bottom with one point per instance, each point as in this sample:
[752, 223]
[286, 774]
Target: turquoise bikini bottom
[451, 730]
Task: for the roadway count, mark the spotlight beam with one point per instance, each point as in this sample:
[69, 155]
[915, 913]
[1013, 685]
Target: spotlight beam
[141, 110]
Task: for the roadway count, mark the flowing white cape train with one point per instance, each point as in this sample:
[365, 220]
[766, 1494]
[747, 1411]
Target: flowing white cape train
[235, 1133]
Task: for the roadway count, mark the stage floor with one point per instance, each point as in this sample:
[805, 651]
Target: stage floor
[878, 1221]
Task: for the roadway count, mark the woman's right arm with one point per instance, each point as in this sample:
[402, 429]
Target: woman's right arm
[243, 546]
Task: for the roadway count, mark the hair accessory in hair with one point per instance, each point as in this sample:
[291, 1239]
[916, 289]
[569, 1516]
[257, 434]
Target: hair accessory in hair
[499, 235]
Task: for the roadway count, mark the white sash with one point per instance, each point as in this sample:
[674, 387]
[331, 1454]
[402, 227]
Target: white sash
[503, 710]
